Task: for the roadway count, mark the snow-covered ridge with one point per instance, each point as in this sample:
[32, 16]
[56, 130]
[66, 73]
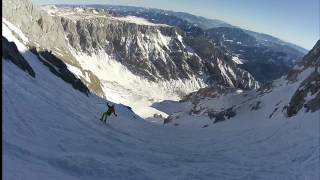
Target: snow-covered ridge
[90, 13]
[137, 20]
[296, 94]
[215, 105]
[50, 9]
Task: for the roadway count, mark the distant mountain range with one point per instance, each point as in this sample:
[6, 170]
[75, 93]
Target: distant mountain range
[265, 56]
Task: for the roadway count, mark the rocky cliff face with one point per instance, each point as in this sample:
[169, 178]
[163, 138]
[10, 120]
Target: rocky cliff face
[265, 57]
[11, 53]
[43, 29]
[218, 67]
[155, 53]
[150, 51]
[296, 94]
[308, 94]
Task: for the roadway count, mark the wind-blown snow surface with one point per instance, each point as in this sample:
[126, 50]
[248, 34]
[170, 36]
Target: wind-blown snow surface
[53, 10]
[51, 131]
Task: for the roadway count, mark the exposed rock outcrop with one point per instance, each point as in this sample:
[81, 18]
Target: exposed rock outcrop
[11, 53]
[308, 93]
[59, 68]
[43, 29]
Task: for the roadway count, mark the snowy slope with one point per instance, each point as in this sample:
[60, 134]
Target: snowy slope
[246, 105]
[212, 105]
[296, 93]
[122, 86]
[51, 131]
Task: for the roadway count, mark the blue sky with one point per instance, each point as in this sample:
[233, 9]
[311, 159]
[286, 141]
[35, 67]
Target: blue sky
[296, 21]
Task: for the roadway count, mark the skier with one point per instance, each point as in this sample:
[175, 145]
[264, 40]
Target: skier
[108, 113]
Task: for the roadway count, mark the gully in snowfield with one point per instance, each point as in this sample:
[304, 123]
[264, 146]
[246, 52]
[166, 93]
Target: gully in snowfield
[108, 113]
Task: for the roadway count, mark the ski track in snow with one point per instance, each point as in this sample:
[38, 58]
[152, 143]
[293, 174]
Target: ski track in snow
[51, 131]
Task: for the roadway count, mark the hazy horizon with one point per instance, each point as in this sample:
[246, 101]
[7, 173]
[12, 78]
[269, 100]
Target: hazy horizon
[249, 14]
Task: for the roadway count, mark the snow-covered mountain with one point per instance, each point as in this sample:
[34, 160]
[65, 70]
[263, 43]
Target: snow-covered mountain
[51, 130]
[126, 59]
[162, 16]
[264, 56]
[294, 94]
